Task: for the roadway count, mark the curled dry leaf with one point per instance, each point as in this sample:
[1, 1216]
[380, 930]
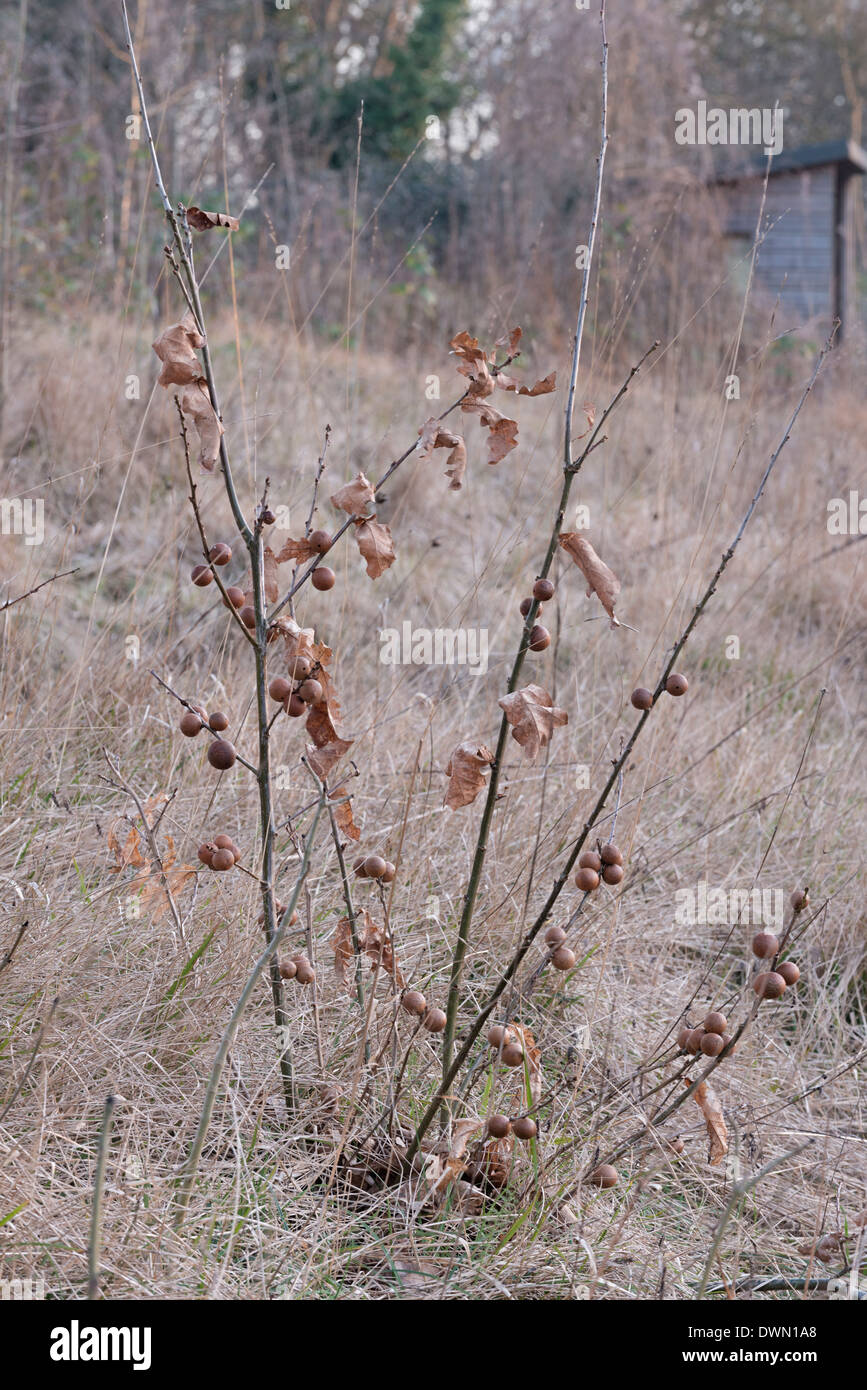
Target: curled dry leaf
[825, 1248]
[533, 716]
[533, 1054]
[343, 816]
[181, 367]
[373, 941]
[474, 364]
[539, 388]
[502, 432]
[195, 401]
[600, 579]
[205, 221]
[376, 546]
[435, 436]
[355, 498]
[299, 552]
[323, 759]
[174, 347]
[464, 771]
[710, 1106]
[510, 340]
[271, 581]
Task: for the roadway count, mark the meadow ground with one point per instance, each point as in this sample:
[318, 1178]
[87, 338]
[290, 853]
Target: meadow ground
[756, 779]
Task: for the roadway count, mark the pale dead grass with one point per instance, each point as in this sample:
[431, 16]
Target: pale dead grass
[710, 795]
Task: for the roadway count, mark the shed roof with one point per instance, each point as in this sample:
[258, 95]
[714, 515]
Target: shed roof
[845, 152]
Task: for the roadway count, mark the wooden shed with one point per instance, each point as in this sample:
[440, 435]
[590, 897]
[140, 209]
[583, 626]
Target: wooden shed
[807, 257]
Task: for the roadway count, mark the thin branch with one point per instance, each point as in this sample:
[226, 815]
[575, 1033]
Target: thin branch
[10, 602]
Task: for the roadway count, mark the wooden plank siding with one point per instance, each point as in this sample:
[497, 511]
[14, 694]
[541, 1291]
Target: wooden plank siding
[806, 260]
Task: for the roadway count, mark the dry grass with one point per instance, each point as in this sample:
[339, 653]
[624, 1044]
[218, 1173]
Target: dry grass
[713, 793]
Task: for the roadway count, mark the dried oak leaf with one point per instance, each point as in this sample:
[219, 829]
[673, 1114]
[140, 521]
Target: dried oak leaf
[377, 945]
[533, 1054]
[533, 716]
[195, 401]
[355, 498]
[710, 1106]
[323, 759]
[474, 364]
[434, 436]
[376, 546]
[271, 581]
[502, 432]
[128, 854]
[153, 895]
[600, 579]
[464, 771]
[539, 388]
[343, 816]
[204, 221]
[297, 551]
[174, 347]
[510, 340]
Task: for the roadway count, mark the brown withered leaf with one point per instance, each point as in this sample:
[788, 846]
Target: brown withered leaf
[272, 583]
[435, 436]
[539, 388]
[320, 723]
[502, 432]
[205, 221]
[377, 945]
[195, 401]
[323, 759]
[510, 340]
[474, 364]
[355, 498]
[297, 641]
[343, 953]
[153, 895]
[297, 551]
[710, 1106]
[376, 546]
[533, 1054]
[533, 716]
[343, 816]
[127, 854]
[601, 581]
[174, 347]
[464, 771]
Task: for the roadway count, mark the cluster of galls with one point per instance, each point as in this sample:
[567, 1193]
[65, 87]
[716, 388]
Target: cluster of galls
[642, 698]
[772, 984]
[414, 1002]
[606, 866]
[710, 1037]
[221, 753]
[523, 1127]
[540, 637]
[299, 969]
[506, 1044]
[374, 866]
[562, 958]
[221, 853]
[220, 554]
